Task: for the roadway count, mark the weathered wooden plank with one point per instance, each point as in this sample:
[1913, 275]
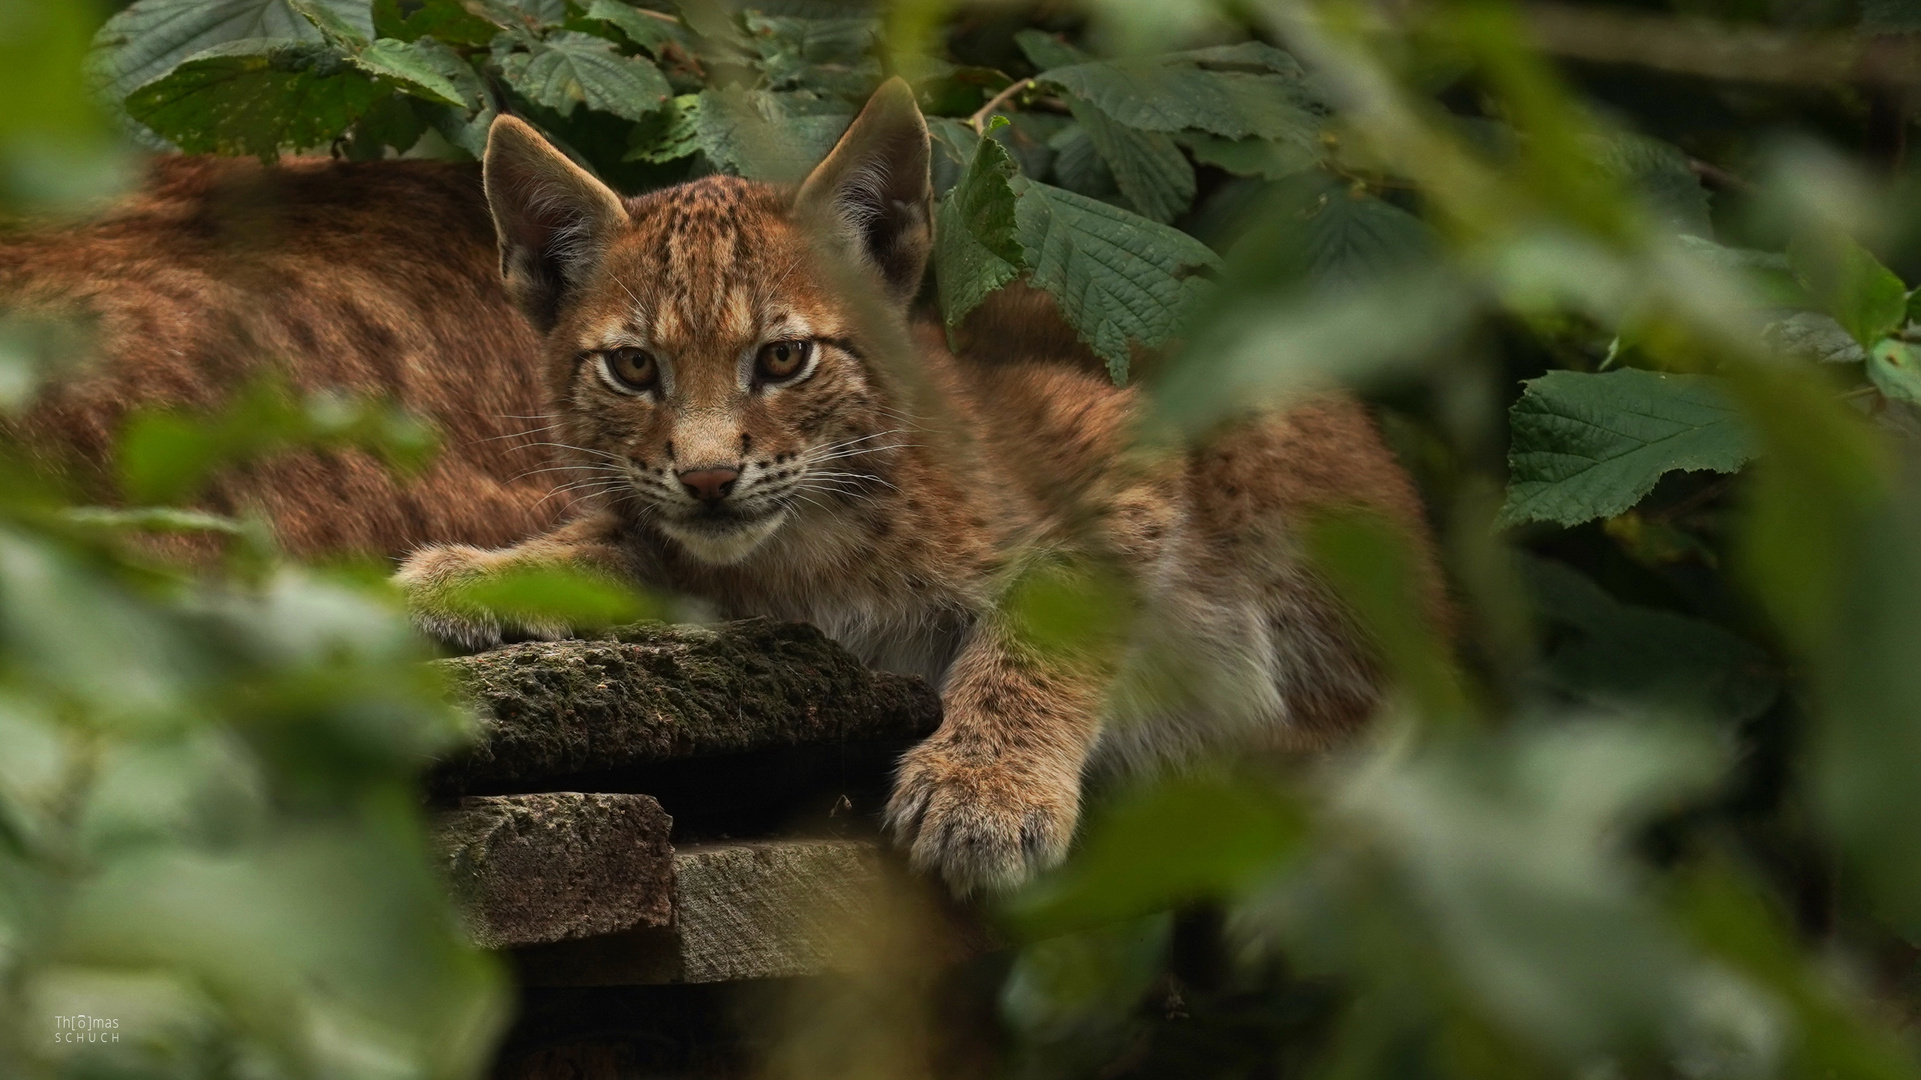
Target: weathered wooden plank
[530, 869]
[757, 909]
[655, 693]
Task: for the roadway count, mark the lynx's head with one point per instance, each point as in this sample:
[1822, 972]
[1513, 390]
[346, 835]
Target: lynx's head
[711, 347]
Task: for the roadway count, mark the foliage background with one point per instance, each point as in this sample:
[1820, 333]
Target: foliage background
[1625, 281]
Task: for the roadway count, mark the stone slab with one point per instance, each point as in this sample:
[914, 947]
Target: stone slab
[534, 869]
[659, 693]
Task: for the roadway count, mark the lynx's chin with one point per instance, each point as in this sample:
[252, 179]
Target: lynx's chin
[723, 542]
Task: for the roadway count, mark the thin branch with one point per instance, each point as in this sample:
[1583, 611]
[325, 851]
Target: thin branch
[978, 121]
[1719, 177]
[1724, 51]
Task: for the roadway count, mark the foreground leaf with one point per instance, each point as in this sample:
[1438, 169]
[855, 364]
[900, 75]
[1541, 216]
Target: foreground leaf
[1622, 656]
[1588, 446]
[1850, 284]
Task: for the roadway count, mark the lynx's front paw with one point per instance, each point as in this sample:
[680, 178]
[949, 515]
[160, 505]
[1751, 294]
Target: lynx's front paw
[437, 581]
[983, 822]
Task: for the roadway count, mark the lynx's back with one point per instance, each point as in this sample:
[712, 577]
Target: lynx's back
[380, 279]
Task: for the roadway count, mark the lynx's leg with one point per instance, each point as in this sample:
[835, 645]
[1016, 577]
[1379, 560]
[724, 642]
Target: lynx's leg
[993, 796]
[432, 576]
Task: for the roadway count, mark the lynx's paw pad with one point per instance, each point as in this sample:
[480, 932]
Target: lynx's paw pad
[982, 823]
[433, 579]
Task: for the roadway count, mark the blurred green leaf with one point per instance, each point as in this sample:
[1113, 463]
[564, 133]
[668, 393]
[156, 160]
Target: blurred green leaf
[1375, 567]
[1588, 446]
[1177, 841]
[1046, 51]
[1071, 610]
[768, 136]
[1265, 158]
[1895, 368]
[166, 457]
[1620, 656]
[1849, 283]
[556, 595]
[1661, 173]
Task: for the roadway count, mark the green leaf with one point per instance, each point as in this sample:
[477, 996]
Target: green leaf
[767, 136]
[1661, 173]
[1121, 279]
[1178, 93]
[256, 97]
[335, 29]
[1316, 231]
[569, 69]
[646, 29]
[1045, 51]
[670, 134]
[1895, 368]
[1148, 168]
[1850, 284]
[1183, 839]
[419, 68]
[166, 457]
[977, 245]
[446, 21]
[524, 17]
[1079, 167]
[824, 55]
[1619, 655]
[566, 595]
[151, 37]
[1265, 158]
[1588, 446]
[1810, 335]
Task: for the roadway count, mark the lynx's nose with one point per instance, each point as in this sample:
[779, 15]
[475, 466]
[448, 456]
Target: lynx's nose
[709, 484]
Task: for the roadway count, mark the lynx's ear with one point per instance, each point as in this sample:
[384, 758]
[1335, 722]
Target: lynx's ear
[873, 190]
[554, 220]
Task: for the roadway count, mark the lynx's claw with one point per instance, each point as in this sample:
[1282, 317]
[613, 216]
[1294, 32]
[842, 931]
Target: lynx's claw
[982, 823]
[432, 577]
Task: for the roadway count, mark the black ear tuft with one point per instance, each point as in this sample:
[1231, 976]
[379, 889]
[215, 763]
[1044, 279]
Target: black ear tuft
[554, 220]
[874, 189]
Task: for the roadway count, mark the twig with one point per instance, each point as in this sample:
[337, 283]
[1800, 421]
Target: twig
[978, 121]
[1724, 51]
[1719, 177]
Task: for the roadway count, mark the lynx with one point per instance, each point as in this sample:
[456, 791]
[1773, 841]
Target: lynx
[765, 426]
[374, 278]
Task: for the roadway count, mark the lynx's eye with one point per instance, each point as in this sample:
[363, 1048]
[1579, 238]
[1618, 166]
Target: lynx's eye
[780, 361]
[630, 370]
